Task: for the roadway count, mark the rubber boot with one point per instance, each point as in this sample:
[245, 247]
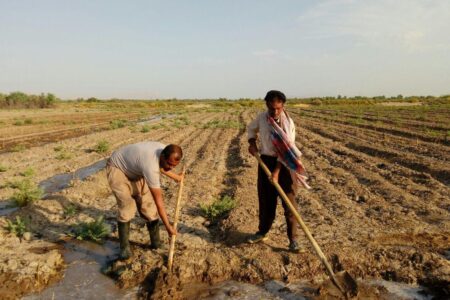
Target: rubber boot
[124, 235]
[153, 230]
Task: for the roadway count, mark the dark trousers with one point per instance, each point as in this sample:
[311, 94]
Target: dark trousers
[267, 196]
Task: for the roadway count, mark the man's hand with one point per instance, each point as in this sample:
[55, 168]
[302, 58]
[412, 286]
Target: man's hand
[252, 148]
[171, 230]
[274, 177]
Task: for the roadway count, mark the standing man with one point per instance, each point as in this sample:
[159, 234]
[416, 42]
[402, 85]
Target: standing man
[133, 173]
[278, 151]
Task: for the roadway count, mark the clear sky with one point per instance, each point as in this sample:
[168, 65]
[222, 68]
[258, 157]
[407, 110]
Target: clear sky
[229, 48]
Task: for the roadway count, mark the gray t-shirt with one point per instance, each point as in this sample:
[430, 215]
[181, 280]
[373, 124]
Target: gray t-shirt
[140, 160]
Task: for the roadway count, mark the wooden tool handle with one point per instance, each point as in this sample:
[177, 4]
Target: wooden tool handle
[175, 223]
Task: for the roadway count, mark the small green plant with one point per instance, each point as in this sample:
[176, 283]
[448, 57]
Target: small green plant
[218, 208]
[3, 168]
[70, 210]
[114, 124]
[145, 128]
[18, 228]
[94, 231]
[18, 123]
[18, 148]
[27, 193]
[29, 172]
[28, 121]
[58, 148]
[102, 146]
[64, 155]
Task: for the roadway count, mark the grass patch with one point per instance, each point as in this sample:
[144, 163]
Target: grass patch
[18, 123]
[3, 168]
[114, 124]
[18, 227]
[219, 208]
[145, 128]
[28, 121]
[27, 193]
[18, 148]
[222, 124]
[94, 231]
[58, 148]
[29, 172]
[102, 146]
[62, 155]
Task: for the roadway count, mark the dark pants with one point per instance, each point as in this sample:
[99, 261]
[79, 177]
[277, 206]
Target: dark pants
[267, 196]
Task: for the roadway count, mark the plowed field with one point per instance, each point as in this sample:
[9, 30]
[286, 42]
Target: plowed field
[379, 206]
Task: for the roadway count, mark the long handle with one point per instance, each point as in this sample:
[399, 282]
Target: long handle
[302, 225]
[175, 223]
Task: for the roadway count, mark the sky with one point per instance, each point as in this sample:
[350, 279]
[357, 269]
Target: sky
[230, 49]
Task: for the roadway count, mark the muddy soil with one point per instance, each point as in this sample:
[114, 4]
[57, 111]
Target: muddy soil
[372, 215]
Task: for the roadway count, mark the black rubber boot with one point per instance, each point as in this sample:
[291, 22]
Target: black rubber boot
[153, 230]
[124, 235]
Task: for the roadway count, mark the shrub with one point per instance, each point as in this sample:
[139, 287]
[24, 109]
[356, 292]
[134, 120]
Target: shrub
[3, 168]
[28, 121]
[18, 228]
[94, 231]
[58, 148]
[145, 128]
[218, 208]
[18, 123]
[27, 193]
[102, 146]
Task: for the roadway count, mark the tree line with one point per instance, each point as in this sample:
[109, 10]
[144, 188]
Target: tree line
[22, 100]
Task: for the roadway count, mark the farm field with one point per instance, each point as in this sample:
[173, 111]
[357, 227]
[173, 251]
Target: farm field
[379, 206]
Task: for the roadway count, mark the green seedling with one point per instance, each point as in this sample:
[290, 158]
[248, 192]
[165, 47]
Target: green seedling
[94, 231]
[18, 228]
[27, 193]
[219, 208]
[102, 146]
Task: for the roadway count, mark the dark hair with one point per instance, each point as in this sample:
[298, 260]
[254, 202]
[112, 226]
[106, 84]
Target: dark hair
[169, 149]
[273, 94]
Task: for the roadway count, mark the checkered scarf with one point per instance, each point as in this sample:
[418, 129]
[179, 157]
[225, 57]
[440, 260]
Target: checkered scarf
[288, 153]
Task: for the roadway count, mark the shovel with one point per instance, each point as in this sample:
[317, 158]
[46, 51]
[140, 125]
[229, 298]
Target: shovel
[342, 280]
[175, 223]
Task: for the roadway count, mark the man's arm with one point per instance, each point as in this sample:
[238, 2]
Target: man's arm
[252, 131]
[174, 176]
[157, 196]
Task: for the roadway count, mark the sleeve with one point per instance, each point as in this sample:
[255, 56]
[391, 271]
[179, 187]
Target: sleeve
[292, 130]
[253, 128]
[152, 177]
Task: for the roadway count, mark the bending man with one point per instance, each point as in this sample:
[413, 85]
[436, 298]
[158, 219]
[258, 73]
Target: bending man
[133, 173]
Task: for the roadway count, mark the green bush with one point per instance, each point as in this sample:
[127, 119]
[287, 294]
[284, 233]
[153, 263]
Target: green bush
[3, 168]
[18, 228]
[94, 231]
[145, 128]
[102, 146]
[27, 193]
[218, 208]
[58, 148]
[28, 121]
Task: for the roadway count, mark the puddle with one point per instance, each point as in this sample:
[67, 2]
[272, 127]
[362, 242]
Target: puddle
[155, 118]
[83, 278]
[7, 207]
[61, 181]
[277, 290]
